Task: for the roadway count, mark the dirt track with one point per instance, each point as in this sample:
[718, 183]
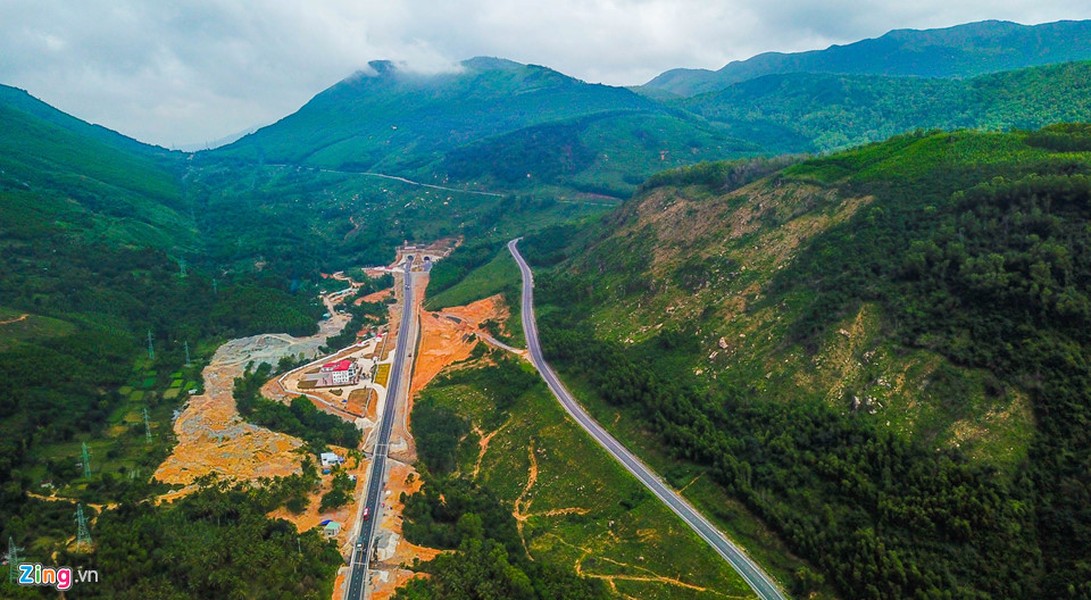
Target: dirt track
[22, 317]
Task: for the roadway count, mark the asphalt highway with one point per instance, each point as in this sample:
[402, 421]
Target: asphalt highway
[361, 555]
[758, 580]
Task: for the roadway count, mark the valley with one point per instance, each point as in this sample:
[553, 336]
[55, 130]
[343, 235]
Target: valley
[813, 325]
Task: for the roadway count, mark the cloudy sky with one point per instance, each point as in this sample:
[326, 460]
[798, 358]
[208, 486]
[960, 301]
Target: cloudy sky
[181, 73]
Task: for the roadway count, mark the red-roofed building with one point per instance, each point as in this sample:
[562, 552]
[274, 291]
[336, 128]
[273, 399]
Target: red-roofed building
[341, 372]
[344, 364]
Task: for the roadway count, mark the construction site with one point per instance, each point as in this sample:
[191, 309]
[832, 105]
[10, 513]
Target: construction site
[350, 383]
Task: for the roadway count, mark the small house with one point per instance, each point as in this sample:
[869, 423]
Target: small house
[330, 459]
[332, 529]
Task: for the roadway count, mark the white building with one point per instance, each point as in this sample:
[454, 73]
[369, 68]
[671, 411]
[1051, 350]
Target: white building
[342, 372]
[329, 459]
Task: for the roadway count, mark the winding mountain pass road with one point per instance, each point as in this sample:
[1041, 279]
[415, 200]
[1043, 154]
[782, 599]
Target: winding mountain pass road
[393, 178]
[755, 577]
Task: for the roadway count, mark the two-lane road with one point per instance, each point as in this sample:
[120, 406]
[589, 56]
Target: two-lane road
[758, 580]
[361, 555]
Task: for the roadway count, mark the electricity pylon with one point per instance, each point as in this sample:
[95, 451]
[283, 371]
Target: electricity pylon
[13, 559]
[86, 457]
[83, 534]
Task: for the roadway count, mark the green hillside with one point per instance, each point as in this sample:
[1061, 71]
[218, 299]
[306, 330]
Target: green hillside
[493, 123]
[57, 169]
[960, 51]
[92, 228]
[882, 354]
[496, 446]
[20, 100]
[821, 112]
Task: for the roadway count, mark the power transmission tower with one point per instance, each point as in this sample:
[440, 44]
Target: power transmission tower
[13, 559]
[147, 427]
[83, 534]
[188, 363]
[182, 267]
[151, 348]
[215, 287]
[86, 461]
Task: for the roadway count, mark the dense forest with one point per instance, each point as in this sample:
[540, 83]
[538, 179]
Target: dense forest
[123, 266]
[982, 257]
[92, 307]
[815, 112]
[214, 543]
[299, 418]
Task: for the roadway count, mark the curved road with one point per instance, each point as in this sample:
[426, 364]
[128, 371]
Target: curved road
[361, 555]
[758, 580]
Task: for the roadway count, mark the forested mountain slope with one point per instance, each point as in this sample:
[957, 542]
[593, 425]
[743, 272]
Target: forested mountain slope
[960, 51]
[814, 112]
[55, 168]
[93, 230]
[882, 353]
[494, 122]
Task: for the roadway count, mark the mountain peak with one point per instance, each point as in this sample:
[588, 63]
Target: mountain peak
[491, 63]
[383, 67]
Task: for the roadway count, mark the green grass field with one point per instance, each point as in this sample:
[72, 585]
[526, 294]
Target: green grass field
[15, 327]
[499, 275]
[120, 451]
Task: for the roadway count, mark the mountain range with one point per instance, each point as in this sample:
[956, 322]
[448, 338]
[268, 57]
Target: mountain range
[859, 345]
[959, 51]
[495, 123]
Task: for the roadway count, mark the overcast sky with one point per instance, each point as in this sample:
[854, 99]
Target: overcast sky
[179, 73]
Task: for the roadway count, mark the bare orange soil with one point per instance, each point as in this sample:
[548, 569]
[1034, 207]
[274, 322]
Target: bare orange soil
[378, 296]
[406, 553]
[394, 569]
[22, 317]
[446, 337]
[345, 515]
[213, 438]
[363, 402]
[446, 340]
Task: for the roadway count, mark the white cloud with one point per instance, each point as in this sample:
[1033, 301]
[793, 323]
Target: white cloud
[182, 73]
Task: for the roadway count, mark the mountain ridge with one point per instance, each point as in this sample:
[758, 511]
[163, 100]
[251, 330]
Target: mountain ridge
[817, 112]
[958, 51]
[577, 135]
